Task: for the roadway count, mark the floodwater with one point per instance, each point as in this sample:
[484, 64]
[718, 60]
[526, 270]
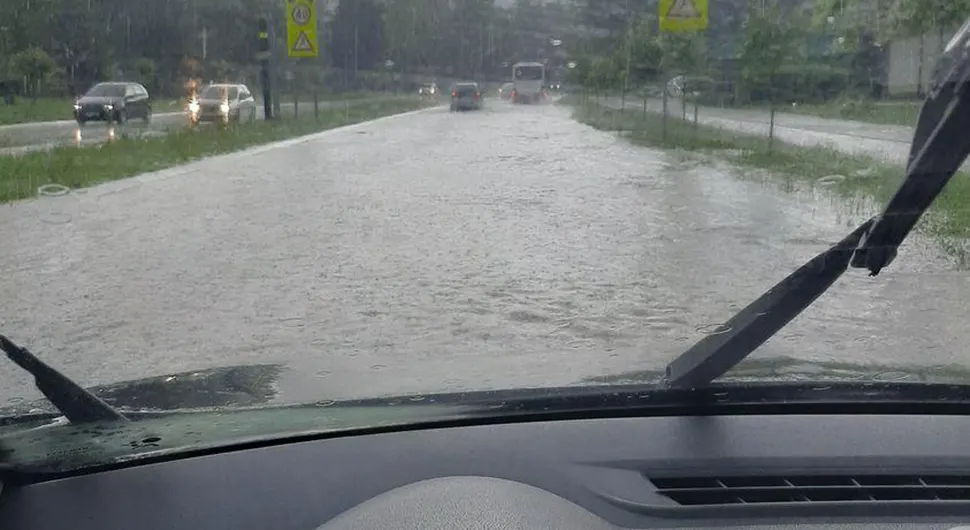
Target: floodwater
[442, 251]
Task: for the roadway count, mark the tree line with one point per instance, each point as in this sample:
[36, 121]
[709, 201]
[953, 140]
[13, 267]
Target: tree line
[62, 46]
[752, 49]
[760, 50]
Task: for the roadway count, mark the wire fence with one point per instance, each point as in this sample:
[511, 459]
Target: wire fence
[848, 123]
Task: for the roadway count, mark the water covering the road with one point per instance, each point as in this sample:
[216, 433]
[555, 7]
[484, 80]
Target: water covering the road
[443, 251]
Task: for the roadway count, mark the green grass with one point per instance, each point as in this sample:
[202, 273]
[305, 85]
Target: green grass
[330, 96]
[948, 219]
[75, 167]
[883, 113]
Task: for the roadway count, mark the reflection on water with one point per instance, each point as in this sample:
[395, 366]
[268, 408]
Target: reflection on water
[109, 136]
[232, 386]
[217, 387]
[789, 369]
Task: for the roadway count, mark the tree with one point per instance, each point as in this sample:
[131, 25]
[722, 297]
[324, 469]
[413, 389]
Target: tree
[357, 35]
[34, 66]
[864, 25]
[772, 37]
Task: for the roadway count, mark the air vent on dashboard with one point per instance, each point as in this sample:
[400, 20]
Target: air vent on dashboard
[699, 491]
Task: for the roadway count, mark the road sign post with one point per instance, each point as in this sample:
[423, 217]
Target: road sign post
[301, 29]
[677, 16]
[263, 54]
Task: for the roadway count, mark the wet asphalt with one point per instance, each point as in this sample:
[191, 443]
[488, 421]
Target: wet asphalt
[436, 251]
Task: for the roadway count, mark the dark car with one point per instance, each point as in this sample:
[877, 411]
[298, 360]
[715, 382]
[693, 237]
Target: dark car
[114, 102]
[466, 96]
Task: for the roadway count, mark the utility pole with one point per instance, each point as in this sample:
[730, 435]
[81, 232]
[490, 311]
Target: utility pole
[263, 55]
[629, 34]
[205, 41]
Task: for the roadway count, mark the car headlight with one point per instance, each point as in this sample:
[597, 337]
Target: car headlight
[193, 106]
[77, 106]
[108, 106]
[224, 108]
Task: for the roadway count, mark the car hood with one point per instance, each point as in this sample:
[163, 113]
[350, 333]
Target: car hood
[215, 101]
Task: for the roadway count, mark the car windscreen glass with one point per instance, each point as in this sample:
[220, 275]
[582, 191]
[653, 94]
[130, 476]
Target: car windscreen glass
[218, 92]
[528, 73]
[107, 91]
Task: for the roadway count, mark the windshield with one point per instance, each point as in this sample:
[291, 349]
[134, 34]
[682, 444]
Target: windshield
[220, 92]
[528, 73]
[106, 91]
[344, 233]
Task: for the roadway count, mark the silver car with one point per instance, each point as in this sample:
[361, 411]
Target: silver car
[223, 102]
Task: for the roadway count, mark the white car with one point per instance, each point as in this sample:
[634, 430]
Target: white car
[223, 102]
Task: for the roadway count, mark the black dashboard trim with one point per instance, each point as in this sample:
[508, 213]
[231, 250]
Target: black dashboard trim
[599, 465]
[797, 510]
[519, 413]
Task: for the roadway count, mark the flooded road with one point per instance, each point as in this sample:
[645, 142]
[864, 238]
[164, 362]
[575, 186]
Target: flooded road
[439, 251]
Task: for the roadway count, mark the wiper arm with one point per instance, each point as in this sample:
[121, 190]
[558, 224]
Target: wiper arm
[940, 145]
[734, 340]
[74, 402]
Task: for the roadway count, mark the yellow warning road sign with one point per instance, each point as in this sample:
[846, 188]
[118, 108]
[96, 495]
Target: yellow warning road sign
[301, 29]
[683, 15]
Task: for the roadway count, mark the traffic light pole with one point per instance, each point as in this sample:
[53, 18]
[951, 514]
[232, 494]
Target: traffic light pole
[264, 67]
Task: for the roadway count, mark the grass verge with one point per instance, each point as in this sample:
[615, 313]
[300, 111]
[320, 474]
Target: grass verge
[948, 219]
[902, 113]
[82, 167]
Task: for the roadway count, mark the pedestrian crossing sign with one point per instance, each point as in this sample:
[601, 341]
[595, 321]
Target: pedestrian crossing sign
[302, 44]
[683, 15]
[301, 28]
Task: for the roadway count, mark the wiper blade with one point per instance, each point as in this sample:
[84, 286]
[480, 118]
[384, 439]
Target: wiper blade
[734, 340]
[940, 145]
[74, 402]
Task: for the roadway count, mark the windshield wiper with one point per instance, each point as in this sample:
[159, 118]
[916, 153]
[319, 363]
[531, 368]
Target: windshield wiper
[74, 402]
[940, 145]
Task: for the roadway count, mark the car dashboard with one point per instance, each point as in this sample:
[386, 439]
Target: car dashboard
[813, 472]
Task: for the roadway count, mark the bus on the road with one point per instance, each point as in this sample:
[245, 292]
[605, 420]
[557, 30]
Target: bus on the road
[528, 79]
